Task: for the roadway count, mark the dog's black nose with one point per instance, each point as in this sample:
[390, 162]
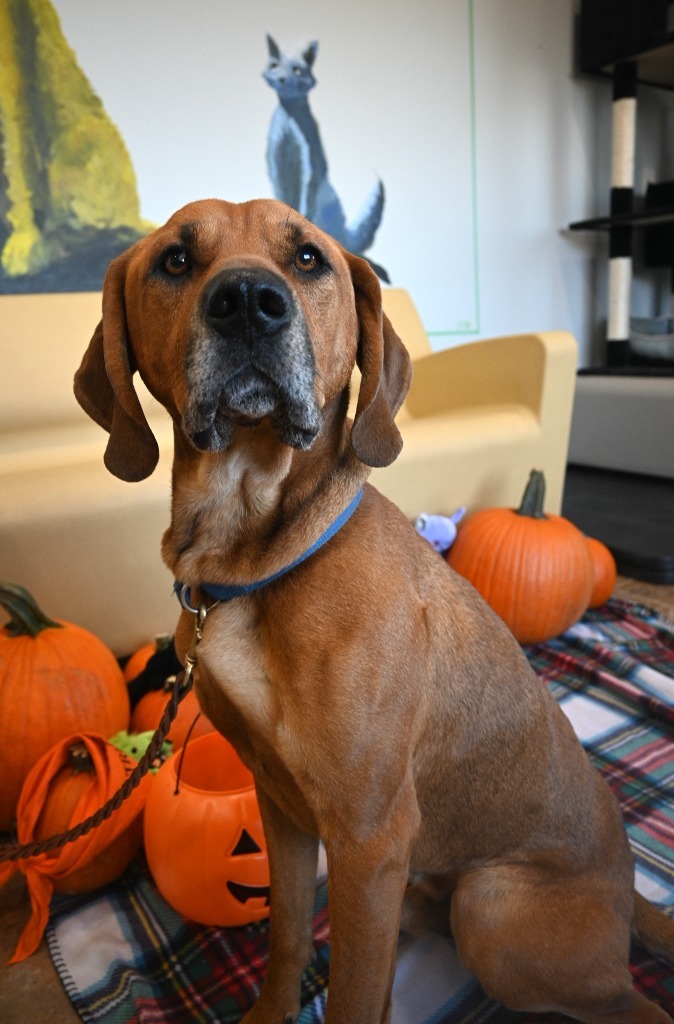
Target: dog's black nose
[252, 301]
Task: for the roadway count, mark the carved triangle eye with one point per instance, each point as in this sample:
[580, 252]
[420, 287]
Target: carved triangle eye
[246, 844]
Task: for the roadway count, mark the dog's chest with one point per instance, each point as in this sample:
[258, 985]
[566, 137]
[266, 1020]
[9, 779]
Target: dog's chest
[232, 671]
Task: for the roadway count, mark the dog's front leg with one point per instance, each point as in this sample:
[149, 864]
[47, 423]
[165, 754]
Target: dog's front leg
[293, 859]
[367, 875]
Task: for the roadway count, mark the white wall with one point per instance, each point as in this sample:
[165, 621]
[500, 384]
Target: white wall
[543, 161]
[478, 197]
[535, 165]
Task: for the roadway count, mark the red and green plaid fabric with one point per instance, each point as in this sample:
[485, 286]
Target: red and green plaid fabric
[125, 957]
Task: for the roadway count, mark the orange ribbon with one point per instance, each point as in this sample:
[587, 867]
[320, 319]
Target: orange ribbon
[110, 770]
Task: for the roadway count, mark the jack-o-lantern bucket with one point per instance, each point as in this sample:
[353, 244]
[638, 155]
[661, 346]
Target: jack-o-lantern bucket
[203, 836]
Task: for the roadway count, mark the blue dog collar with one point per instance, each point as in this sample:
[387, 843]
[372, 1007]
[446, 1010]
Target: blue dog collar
[223, 592]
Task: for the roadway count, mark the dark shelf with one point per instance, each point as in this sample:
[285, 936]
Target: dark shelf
[634, 370]
[637, 219]
[654, 68]
[636, 31]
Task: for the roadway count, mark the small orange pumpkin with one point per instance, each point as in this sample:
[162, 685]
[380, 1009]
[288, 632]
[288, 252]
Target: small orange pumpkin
[140, 658]
[203, 836]
[56, 678]
[190, 719]
[534, 569]
[604, 570]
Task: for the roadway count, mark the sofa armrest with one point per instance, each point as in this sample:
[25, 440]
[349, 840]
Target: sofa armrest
[533, 370]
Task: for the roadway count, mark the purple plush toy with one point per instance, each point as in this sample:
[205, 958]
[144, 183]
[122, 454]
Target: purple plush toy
[439, 531]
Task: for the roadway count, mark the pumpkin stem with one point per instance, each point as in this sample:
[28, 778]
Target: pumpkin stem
[79, 758]
[26, 619]
[534, 496]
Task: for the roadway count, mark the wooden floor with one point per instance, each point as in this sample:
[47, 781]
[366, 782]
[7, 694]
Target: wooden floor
[31, 991]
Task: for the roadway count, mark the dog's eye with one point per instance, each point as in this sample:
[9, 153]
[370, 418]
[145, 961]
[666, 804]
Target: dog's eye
[177, 262]
[307, 258]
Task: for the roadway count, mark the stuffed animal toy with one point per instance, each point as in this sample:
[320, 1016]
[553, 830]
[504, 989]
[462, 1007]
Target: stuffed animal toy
[135, 744]
[439, 531]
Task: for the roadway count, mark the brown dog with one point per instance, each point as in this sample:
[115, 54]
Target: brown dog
[378, 701]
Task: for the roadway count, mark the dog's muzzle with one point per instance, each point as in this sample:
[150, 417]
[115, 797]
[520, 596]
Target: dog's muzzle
[250, 359]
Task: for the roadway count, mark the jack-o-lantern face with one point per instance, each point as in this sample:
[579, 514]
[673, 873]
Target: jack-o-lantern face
[246, 849]
[203, 836]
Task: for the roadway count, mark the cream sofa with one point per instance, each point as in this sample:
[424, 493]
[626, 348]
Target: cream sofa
[477, 419]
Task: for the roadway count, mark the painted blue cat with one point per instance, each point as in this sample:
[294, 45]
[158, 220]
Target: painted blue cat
[296, 160]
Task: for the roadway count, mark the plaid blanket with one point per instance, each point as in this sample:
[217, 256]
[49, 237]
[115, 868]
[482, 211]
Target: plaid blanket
[125, 957]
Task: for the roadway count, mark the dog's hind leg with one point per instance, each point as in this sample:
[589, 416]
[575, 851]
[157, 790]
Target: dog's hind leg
[426, 906]
[541, 942]
[293, 859]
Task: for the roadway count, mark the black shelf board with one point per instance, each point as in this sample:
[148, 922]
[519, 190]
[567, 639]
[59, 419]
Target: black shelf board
[631, 370]
[655, 68]
[636, 218]
[639, 32]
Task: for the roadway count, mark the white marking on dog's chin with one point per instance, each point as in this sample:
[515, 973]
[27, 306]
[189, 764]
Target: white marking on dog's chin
[297, 426]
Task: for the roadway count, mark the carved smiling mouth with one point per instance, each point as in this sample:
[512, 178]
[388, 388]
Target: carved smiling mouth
[243, 893]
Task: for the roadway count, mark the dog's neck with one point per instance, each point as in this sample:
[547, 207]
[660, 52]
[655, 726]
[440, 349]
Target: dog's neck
[246, 513]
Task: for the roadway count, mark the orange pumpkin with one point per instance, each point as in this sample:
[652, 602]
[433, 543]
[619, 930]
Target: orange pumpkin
[203, 836]
[56, 678]
[190, 719]
[56, 797]
[69, 786]
[534, 569]
[140, 658]
[604, 572]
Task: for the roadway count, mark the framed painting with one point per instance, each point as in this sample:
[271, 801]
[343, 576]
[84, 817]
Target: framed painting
[362, 118]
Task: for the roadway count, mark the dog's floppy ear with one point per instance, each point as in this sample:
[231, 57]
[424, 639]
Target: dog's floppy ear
[386, 371]
[104, 386]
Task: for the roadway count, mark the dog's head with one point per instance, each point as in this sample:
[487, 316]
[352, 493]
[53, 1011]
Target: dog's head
[235, 314]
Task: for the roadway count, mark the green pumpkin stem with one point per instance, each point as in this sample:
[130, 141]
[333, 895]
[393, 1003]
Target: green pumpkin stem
[534, 496]
[27, 619]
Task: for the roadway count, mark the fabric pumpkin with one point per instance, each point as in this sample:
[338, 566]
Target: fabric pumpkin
[604, 570]
[85, 858]
[533, 568]
[55, 678]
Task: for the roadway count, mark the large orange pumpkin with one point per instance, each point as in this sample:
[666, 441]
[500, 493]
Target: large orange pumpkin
[55, 679]
[203, 836]
[604, 571]
[533, 568]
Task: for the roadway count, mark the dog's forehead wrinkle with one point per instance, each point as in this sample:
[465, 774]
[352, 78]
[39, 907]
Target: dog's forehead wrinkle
[295, 232]
[189, 233]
